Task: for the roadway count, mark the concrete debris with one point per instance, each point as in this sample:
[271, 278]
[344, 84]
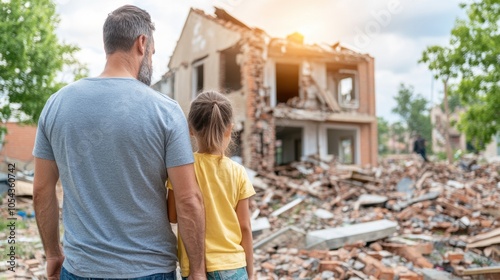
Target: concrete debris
[334, 238]
[260, 224]
[434, 274]
[323, 214]
[455, 184]
[371, 199]
[320, 219]
[433, 208]
[405, 186]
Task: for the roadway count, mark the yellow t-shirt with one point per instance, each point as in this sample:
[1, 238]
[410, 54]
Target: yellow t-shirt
[223, 183]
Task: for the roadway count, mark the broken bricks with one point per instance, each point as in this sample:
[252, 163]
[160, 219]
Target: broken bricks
[434, 206]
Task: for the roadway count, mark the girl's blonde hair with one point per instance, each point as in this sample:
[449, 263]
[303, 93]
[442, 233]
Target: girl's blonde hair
[210, 116]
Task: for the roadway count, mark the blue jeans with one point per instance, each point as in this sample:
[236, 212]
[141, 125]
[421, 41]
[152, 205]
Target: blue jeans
[232, 274]
[66, 275]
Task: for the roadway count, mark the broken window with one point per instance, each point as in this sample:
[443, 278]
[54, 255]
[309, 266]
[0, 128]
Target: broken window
[287, 81]
[288, 144]
[346, 150]
[230, 69]
[341, 144]
[343, 83]
[347, 89]
[198, 77]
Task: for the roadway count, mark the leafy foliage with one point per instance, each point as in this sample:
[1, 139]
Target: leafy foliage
[31, 57]
[473, 57]
[412, 108]
[383, 135]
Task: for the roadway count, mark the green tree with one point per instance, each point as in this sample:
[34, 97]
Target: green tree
[412, 109]
[383, 135]
[442, 61]
[31, 58]
[398, 134]
[474, 51]
[454, 102]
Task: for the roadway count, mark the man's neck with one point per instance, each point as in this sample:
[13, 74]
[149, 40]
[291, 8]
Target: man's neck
[119, 64]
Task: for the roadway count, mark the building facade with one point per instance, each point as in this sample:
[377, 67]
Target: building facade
[290, 99]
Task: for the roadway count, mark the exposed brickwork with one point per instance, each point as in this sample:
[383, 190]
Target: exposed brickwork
[260, 136]
[19, 142]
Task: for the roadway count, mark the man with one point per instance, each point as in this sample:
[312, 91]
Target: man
[112, 140]
[419, 147]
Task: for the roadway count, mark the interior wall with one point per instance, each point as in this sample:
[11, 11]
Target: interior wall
[287, 81]
[230, 70]
[291, 143]
[329, 135]
[334, 138]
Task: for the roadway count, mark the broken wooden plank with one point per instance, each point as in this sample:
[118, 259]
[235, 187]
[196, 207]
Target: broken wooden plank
[362, 177]
[480, 271]
[287, 207]
[482, 236]
[371, 199]
[333, 238]
[327, 96]
[422, 179]
[485, 242]
[24, 188]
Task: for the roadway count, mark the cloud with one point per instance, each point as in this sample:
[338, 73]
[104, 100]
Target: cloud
[396, 45]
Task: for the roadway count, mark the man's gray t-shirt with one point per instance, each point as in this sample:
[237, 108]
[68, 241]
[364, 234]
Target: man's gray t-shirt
[112, 140]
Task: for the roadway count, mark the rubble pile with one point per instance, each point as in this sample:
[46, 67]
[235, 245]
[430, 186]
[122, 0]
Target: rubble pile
[445, 220]
[318, 219]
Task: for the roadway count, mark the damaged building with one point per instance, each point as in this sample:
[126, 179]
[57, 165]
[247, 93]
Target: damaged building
[290, 99]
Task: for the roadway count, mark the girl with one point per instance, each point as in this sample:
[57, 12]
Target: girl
[226, 189]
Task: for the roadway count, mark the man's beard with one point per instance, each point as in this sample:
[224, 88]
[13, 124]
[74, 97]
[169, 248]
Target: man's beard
[146, 69]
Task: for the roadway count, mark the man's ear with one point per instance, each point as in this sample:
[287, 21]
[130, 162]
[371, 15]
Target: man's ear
[141, 44]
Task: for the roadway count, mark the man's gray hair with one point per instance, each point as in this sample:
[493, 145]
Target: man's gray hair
[123, 26]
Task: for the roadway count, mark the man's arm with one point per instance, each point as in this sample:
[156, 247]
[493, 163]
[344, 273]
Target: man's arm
[47, 213]
[190, 216]
[243, 213]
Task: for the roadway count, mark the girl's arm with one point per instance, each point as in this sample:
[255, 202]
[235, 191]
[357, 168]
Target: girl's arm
[172, 213]
[243, 212]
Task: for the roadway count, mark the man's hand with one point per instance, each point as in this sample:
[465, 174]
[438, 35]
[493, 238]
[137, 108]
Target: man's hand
[47, 213]
[54, 266]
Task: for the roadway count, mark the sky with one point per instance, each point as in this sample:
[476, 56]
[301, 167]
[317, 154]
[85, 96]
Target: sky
[394, 32]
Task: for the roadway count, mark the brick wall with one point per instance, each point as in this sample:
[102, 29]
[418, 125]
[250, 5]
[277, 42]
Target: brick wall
[259, 137]
[19, 142]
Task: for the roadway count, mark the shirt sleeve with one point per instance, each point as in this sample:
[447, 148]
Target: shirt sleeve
[43, 148]
[178, 145]
[246, 187]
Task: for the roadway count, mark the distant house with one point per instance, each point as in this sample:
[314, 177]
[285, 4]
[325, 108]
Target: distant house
[457, 138]
[291, 99]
